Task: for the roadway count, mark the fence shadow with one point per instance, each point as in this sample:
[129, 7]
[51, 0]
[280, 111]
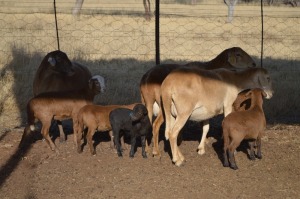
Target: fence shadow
[12, 163]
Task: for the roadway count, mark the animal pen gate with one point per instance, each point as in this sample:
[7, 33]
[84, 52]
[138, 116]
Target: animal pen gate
[113, 38]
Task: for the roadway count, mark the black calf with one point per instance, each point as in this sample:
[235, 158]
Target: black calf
[135, 122]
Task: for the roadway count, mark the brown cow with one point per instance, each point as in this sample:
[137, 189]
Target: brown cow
[230, 58]
[57, 73]
[58, 105]
[203, 94]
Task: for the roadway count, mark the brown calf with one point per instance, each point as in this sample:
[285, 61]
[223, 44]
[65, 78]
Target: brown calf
[245, 124]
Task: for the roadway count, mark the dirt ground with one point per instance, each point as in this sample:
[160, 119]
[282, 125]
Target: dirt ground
[39, 173]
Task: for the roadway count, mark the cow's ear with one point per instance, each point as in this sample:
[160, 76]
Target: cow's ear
[52, 61]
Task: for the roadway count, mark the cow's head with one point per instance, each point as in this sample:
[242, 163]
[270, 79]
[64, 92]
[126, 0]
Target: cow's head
[59, 62]
[238, 58]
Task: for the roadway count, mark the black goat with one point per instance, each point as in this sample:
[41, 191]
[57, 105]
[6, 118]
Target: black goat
[135, 122]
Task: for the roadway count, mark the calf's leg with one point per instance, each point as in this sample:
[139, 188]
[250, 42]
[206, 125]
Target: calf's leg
[251, 153]
[116, 135]
[112, 143]
[225, 156]
[258, 142]
[231, 149]
[225, 148]
[133, 142]
[89, 138]
[79, 137]
[232, 160]
[62, 136]
[45, 133]
[143, 139]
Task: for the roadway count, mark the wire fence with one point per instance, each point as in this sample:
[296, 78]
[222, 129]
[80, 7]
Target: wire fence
[115, 38]
[114, 30]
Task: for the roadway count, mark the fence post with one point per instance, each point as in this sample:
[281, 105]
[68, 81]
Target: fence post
[157, 53]
[56, 25]
[262, 34]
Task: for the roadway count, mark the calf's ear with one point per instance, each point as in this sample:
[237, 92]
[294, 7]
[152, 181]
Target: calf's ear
[132, 117]
[249, 93]
[264, 94]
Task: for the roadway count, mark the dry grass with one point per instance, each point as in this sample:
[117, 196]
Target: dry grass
[122, 49]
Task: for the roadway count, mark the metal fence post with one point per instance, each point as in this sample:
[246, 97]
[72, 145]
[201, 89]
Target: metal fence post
[157, 53]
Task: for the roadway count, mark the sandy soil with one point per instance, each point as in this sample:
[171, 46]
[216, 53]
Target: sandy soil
[39, 173]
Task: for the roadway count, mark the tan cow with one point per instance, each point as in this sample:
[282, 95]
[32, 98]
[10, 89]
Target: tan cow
[230, 58]
[198, 95]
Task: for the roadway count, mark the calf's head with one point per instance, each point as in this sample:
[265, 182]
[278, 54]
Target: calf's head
[97, 82]
[139, 112]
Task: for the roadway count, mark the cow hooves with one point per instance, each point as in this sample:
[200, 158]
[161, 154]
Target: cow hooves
[156, 154]
[62, 140]
[179, 163]
[120, 155]
[157, 157]
[57, 152]
[252, 157]
[201, 151]
[226, 164]
[259, 156]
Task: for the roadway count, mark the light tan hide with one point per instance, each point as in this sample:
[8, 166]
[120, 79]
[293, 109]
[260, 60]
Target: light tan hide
[230, 58]
[198, 95]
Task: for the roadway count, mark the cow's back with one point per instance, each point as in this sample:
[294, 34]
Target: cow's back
[47, 80]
